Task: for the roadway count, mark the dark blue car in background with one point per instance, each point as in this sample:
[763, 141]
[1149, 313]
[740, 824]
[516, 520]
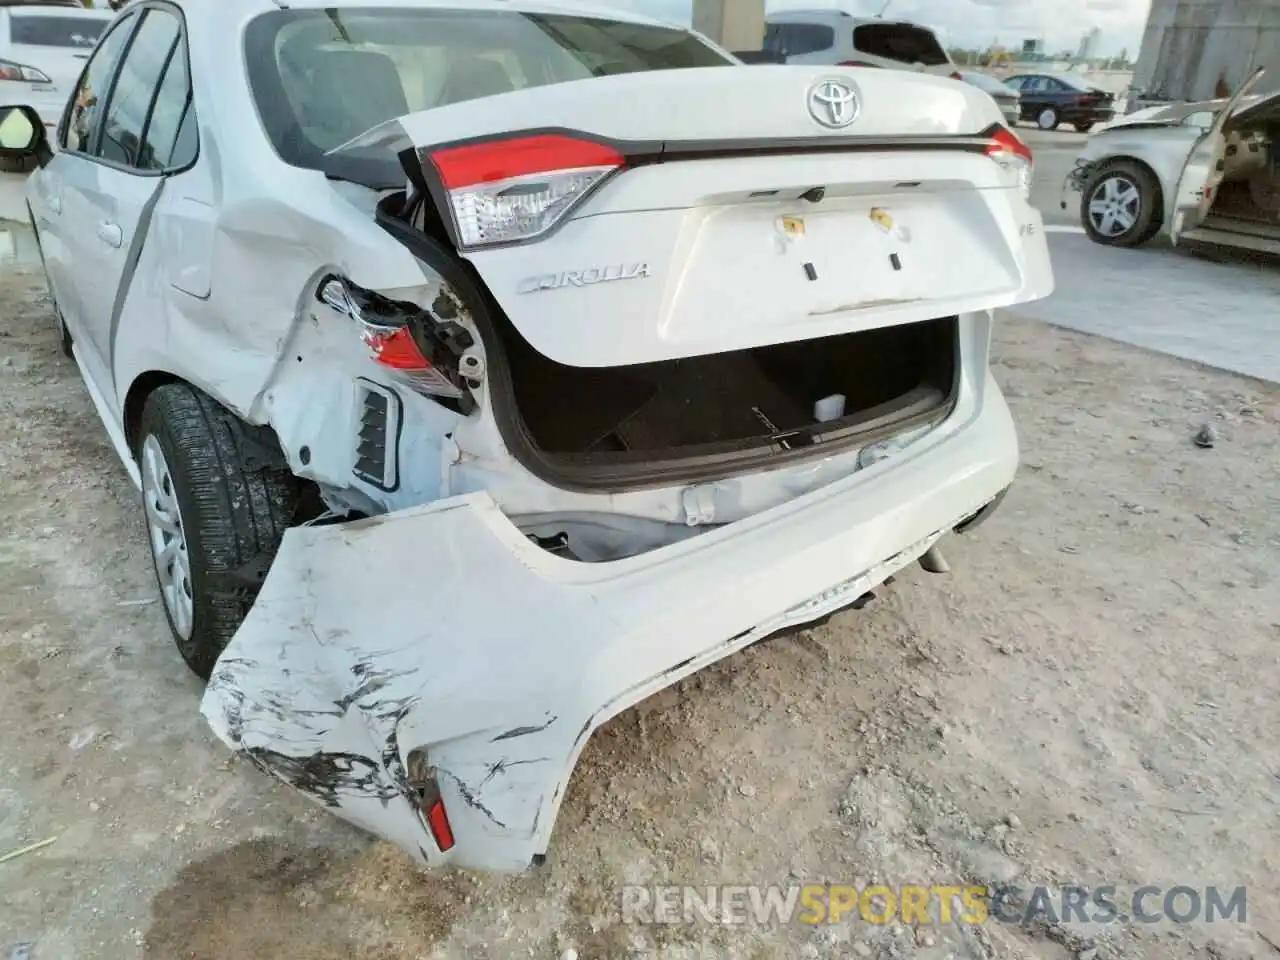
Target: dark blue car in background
[1049, 100]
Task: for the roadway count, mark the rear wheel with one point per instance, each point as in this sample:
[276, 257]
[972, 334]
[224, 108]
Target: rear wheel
[218, 497]
[1048, 119]
[1121, 205]
[1083, 127]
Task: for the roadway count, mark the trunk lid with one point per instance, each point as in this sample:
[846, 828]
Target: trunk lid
[750, 214]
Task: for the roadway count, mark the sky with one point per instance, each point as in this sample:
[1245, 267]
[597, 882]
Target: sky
[976, 23]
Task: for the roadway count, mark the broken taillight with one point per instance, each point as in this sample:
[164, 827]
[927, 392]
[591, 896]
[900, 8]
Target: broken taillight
[1010, 152]
[517, 189]
[397, 335]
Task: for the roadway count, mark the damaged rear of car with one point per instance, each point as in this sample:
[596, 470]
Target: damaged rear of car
[597, 356]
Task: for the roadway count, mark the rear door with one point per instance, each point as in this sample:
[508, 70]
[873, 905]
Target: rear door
[1202, 174]
[59, 198]
[114, 195]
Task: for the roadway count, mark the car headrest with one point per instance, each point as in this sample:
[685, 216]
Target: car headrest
[474, 77]
[351, 91]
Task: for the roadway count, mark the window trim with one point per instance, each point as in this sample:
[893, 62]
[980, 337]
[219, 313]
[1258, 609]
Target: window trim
[141, 6]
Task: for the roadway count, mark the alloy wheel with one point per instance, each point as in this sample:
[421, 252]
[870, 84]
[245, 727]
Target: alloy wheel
[1114, 206]
[168, 537]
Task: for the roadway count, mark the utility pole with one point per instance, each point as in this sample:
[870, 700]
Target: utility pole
[734, 24]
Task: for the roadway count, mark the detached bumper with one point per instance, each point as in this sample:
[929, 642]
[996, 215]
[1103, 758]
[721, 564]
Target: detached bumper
[444, 629]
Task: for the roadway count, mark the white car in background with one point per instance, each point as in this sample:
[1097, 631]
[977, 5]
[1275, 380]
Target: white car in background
[475, 394]
[1006, 98]
[840, 39]
[43, 48]
[1206, 173]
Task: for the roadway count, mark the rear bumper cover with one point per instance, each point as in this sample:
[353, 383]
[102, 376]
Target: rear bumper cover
[444, 629]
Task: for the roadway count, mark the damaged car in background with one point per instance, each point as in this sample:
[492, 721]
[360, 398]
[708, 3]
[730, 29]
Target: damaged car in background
[1204, 173]
[475, 395]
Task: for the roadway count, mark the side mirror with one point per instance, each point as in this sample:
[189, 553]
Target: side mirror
[22, 135]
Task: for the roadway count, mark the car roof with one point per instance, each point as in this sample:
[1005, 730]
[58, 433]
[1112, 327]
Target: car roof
[567, 7]
[837, 17]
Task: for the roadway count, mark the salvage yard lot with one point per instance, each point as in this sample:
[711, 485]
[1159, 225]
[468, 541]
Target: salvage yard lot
[1091, 696]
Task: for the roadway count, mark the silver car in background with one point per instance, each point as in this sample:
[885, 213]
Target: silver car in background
[1006, 98]
[1205, 173]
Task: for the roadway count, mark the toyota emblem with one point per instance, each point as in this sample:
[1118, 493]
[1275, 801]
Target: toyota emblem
[833, 103]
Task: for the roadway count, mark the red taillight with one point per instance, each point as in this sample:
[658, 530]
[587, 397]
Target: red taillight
[387, 329]
[855, 63]
[1004, 141]
[516, 190]
[956, 75]
[438, 822]
[477, 163]
[396, 349]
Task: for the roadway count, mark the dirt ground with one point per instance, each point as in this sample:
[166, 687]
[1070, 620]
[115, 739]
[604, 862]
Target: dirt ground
[1091, 696]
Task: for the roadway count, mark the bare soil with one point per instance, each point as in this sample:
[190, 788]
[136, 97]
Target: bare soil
[1092, 696]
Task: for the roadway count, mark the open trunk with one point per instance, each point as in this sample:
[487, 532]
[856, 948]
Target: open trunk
[700, 416]
[717, 271]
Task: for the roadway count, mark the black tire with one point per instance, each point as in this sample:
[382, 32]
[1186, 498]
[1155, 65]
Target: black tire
[1048, 119]
[236, 497]
[1150, 212]
[1083, 127]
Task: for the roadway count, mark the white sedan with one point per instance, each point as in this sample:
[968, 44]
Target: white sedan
[1204, 172]
[475, 393]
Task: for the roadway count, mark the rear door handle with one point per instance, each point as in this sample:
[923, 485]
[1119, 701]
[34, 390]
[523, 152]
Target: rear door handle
[110, 234]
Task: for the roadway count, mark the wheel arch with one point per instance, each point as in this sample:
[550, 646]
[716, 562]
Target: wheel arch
[147, 382]
[143, 385]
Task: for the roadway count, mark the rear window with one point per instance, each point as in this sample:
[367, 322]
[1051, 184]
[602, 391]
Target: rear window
[791, 39]
[903, 42]
[323, 77]
[46, 30]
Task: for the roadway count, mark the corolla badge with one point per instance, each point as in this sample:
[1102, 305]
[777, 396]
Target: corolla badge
[833, 103]
[583, 278]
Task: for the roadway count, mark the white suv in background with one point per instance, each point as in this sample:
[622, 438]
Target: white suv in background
[43, 48]
[835, 37]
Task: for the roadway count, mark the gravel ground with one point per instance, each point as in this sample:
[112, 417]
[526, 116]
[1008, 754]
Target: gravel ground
[1089, 697]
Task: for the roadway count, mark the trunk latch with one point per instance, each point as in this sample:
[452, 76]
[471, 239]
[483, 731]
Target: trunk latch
[699, 505]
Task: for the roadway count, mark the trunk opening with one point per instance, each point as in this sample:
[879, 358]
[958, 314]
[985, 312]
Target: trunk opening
[697, 418]
[709, 416]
